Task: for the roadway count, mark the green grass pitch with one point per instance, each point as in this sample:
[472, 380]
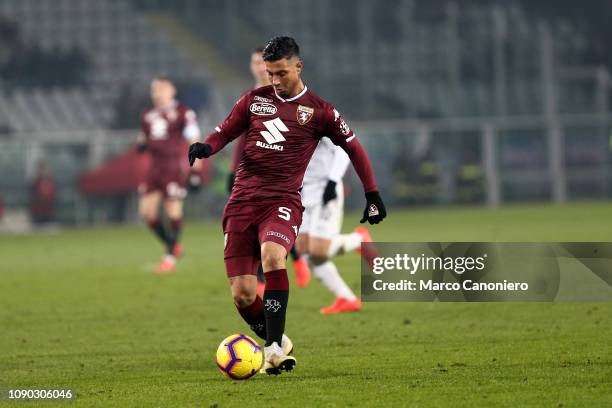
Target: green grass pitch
[81, 309]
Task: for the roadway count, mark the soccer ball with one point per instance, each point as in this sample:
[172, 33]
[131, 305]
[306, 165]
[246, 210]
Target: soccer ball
[239, 357]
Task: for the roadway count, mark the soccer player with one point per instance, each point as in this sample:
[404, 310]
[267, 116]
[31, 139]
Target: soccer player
[319, 238]
[284, 123]
[166, 128]
[260, 75]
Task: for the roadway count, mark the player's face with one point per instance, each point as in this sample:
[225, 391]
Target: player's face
[284, 75]
[258, 69]
[162, 92]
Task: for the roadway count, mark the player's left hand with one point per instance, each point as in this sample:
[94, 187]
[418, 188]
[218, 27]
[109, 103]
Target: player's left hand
[330, 192]
[199, 151]
[375, 210]
[194, 182]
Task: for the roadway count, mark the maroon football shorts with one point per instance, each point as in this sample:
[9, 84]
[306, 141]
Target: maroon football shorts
[248, 226]
[170, 183]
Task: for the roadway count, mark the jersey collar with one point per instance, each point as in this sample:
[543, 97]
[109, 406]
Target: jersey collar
[293, 98]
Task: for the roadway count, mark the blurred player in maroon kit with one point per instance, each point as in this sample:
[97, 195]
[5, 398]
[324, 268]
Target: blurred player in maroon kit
[260, 75]
[283, 124]
[166, 130]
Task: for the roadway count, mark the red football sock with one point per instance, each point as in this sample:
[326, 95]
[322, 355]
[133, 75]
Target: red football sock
[253, 314]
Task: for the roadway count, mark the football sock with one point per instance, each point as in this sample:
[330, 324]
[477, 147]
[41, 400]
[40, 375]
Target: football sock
[343, 243]
[328, 274]
[260, 274]
[276, 297]
[294, 254]
[254, 316]
[175, 233]
[158, 228]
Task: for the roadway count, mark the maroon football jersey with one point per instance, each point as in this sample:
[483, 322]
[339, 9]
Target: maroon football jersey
[166, 132]
[281, 136]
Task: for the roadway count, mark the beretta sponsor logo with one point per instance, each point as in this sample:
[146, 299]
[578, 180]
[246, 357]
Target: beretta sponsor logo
[263, 108]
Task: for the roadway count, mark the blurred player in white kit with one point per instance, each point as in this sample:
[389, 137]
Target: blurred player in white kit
[319, 236]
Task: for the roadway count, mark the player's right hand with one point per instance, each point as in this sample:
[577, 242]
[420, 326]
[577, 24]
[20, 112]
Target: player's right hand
[375, 210]
[199, 151]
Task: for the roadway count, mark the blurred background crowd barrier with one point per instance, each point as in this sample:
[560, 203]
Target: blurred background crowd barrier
[457, 102]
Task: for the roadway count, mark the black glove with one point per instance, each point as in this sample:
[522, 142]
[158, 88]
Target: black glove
[330, 192]
[194, 182]
[375, 209]
[141, 147]
[231, 178]
[199, 151]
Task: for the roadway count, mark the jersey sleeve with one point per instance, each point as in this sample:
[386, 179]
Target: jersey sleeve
[236, 123]
[191, 129]
[335, 128]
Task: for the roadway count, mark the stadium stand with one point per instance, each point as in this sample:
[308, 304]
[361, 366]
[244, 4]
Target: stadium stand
[431, 79]
[101, 47]
[433, 56]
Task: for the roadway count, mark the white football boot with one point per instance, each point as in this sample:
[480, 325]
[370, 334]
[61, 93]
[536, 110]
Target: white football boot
[287, 345]
[276, 360]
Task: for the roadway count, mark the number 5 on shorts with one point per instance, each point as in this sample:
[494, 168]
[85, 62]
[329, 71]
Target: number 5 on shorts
[285, 213]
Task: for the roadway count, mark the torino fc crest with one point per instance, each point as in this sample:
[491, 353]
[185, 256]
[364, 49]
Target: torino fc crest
[304, 114]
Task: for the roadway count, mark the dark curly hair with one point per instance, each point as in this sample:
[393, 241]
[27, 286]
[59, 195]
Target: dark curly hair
[279, 48]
